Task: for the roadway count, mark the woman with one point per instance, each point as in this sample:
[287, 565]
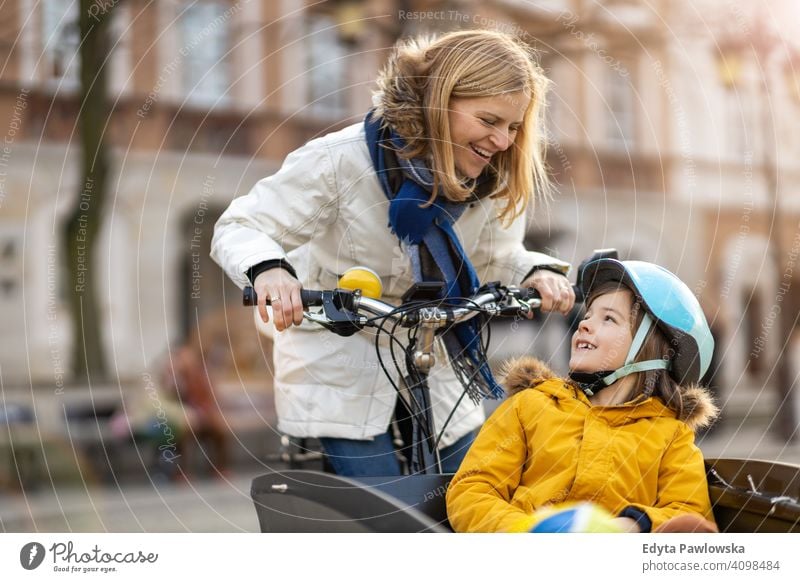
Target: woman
[619, 433]
[431, 186]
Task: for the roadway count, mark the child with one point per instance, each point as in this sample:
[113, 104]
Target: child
[618, 433]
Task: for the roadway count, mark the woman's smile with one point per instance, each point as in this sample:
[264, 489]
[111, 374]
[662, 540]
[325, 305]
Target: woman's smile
[482, 153]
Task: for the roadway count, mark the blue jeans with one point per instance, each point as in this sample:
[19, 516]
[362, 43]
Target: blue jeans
[378, 458]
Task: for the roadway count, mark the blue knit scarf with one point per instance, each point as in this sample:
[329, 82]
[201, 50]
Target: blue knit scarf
[429, 230]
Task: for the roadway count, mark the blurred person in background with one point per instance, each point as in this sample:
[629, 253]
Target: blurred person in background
[185, 376]
[172, 414]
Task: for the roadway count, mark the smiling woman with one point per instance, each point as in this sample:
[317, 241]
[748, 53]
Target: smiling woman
[435, 94]
[443, 167]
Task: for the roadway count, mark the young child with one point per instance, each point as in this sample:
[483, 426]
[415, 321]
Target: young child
[619, 433]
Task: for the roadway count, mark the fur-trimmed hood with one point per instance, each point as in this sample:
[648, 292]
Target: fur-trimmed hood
[398, 99]
[519, 374]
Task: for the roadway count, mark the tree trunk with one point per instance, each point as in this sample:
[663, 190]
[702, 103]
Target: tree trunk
[85, 221]
[786, 417]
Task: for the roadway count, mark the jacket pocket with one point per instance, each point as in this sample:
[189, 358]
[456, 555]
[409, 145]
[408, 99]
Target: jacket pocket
[316, 356]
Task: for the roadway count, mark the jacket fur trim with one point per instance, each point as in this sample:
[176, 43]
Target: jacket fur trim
[699, 409]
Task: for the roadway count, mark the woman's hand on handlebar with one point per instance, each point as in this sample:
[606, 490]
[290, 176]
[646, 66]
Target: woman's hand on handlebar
[283, 291]
[556, 290]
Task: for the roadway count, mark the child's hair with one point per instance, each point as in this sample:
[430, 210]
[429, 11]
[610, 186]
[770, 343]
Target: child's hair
[413, 97]
[656, 346]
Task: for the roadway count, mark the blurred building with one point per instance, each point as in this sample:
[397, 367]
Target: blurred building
[657, 146]
[208, 96]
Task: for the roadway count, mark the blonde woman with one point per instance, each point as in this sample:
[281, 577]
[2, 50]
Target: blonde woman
[431, 186]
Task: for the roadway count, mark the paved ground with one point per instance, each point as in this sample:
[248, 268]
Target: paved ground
[224, 505]
[202, 506]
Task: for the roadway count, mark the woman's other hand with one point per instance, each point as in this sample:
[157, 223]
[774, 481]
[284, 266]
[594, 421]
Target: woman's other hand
[555, 289]
[283, 291]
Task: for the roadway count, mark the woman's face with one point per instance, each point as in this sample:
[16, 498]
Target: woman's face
[604, 335]
[480, 127]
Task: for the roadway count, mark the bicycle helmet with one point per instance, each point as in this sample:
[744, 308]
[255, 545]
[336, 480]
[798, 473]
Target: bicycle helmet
[669, 304]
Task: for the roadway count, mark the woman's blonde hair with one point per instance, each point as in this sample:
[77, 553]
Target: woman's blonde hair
[413, 97]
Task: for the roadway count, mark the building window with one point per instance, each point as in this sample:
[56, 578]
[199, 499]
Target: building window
[60, 40]
[205, 29]
[551, 102]
[735, 131]
[10, 266]
[620, 124]
[327, 74]
[119, 66]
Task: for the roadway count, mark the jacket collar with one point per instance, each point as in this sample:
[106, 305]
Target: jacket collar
[530, 373]
[569, 394]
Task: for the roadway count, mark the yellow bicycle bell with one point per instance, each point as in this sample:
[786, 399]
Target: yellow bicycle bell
[362, 278]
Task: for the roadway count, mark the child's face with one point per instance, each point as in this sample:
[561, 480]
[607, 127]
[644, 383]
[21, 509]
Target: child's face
[604, 335]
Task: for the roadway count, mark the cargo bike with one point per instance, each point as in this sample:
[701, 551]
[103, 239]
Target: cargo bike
[747, 495]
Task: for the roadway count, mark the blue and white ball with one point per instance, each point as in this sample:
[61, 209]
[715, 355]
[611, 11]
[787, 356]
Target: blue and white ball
[581, 517]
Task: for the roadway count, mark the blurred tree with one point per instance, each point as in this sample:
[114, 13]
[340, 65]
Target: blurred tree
[85, 219]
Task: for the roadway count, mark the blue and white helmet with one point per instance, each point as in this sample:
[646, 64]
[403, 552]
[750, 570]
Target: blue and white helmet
[668, 303]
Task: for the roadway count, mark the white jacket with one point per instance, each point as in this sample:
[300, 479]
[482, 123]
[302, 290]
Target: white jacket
[324, 212]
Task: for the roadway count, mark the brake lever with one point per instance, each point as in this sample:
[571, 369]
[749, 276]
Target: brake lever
[338, 306]
[516, 307]
[513, 311]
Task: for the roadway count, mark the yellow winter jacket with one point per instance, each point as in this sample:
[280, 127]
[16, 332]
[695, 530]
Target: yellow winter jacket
[547, 444]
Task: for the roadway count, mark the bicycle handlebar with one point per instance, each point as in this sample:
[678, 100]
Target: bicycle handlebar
[492, 293]
[409, 313]
[313, 298]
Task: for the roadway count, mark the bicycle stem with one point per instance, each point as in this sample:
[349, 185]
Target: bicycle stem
[430, 320]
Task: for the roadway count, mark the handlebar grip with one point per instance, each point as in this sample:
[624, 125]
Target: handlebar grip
[531, 293]
[249, 297]
[309, 297]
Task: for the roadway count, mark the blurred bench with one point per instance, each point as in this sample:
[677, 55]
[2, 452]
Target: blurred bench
[18, 446]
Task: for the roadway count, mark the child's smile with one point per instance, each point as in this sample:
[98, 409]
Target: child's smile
[604, 335]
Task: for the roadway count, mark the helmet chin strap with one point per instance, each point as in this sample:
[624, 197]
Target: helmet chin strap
[592, 382]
